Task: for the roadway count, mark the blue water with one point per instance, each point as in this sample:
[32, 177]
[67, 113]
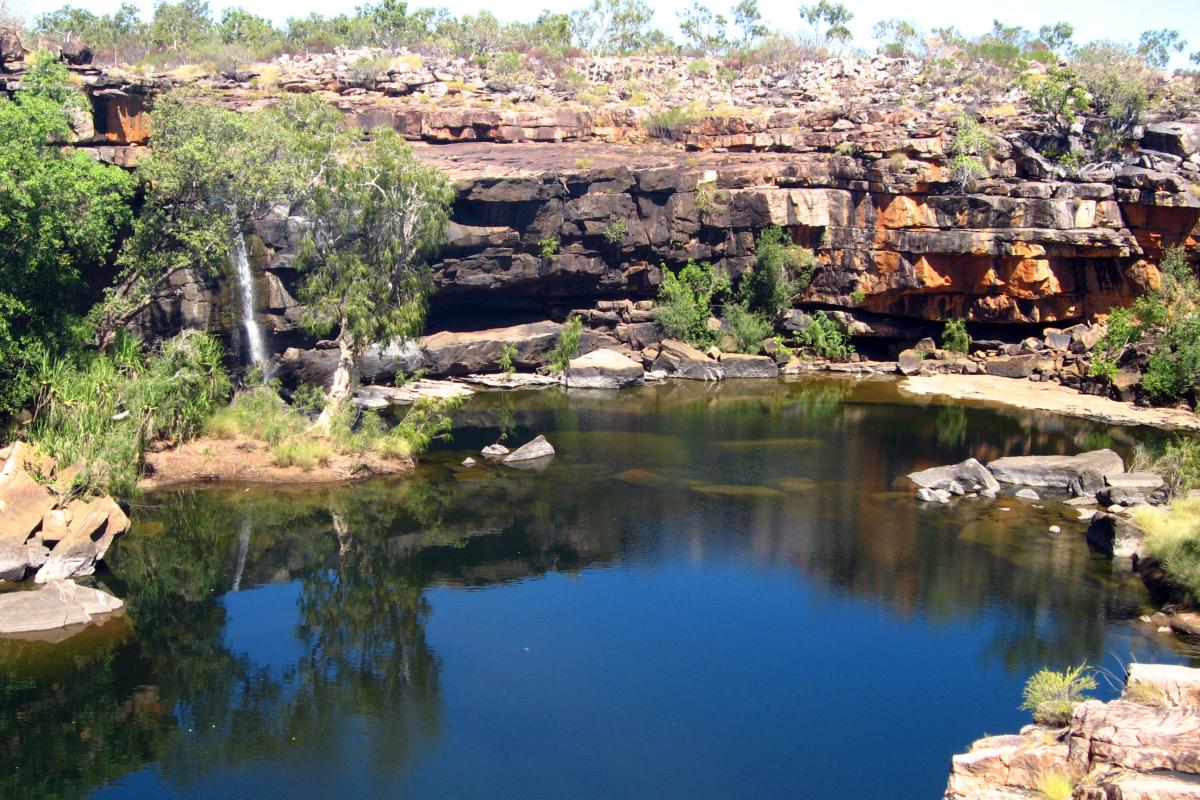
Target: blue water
[755, 612]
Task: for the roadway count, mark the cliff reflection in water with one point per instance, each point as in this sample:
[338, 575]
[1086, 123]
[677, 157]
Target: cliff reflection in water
[796, 477]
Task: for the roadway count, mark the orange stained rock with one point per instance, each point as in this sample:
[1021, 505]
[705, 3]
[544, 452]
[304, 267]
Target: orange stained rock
[1033, 278]
[905, 211]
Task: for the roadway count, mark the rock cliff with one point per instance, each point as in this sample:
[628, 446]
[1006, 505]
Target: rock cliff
[569, 202]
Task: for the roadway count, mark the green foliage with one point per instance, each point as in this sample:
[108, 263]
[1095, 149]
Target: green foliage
[567, 346]
[378, 216]
[1177, 460]
[747, 328]
[699, 67]
[704, 32]
[955, 337]
[549, 246]
[708, 198]
[858, 296]
[309, 398]
[685, 302]
[830, 21]
[897, 38]
[101, 411]
[782, 272]
[508, 63]
[1052, 696]
[1173, 537]
[60, 211]
[1058, 95]
[971, 146]
[259, 414]
[670, 123]
[616, 230]
[1173, 315]
[1119, 84]
[1156, 47]
[1122, 330]
[508, 354]
[210, 171]
[615, 27]
[825, 337]
[302, 453]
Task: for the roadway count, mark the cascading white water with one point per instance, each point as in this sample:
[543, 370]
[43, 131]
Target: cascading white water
[245, 282]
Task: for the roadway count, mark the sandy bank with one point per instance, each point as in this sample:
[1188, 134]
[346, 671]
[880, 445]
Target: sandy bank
[1047, 397]
[241, 460]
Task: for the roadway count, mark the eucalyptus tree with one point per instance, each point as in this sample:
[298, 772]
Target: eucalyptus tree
[376, 217]
[212, 170]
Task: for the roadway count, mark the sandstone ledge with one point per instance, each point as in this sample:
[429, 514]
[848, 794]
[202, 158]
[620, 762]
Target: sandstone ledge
[1041, 396]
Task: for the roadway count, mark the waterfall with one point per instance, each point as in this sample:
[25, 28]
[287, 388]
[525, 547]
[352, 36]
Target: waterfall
[255, 337]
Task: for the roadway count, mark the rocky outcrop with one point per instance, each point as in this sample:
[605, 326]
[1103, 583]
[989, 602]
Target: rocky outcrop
[1144, 745]
[45, 533]
[1059, 472]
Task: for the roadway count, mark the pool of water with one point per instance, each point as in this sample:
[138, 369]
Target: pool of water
[712, 591]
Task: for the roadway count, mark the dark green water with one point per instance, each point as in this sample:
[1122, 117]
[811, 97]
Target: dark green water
[713, 591]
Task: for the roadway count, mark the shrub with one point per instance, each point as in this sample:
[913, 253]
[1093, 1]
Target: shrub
[616, 230]
[259, 413]
[549, 246]
[969, 148]
[508, 353]
[304, 453]
[825, 338]
[955, 337]
[858, 296]
[1119, 84]
[699, 68]
[1051, 696]
[1173, 537]
[309, 398]
[747, 328]
[567, 346]
[782, 271]
[1056, 786]
[1177, 460]
[508, 62]
[685, 302]
[102, 412]
[671, 123]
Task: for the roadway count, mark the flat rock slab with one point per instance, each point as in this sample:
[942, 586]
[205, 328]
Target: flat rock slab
[1135, 480]
[1056, 472]
[604, 369]
[57, 604]
[741, 365]
[517, 380]
[409, 393]
[1140, 737]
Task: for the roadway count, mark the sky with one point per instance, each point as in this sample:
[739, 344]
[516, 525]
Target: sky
[1093, 19]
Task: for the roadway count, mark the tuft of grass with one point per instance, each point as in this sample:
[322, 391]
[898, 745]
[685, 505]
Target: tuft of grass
[1173, 537]
[257, 414]
[1177, 461]
[1051, 696]
[1144, 694]
[1056, 786]
[304, 453]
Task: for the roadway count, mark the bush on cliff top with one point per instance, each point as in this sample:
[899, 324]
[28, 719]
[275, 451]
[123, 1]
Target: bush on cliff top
[1051, 696]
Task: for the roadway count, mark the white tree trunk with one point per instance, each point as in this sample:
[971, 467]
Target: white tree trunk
[345, 381]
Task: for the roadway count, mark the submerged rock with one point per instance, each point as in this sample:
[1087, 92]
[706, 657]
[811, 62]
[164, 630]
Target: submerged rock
[57, 604]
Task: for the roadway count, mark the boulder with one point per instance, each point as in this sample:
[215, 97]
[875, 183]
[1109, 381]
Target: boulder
[741, 365]
[530, 451]
[1173, 684]
[681, 360]
[1145, 481]
[1055, 471]
[969, 475]
[1113, 535]
[466, 352]
[1177, 138]
[604, 369]
[1027, 494]
[1012, 366]
[909, 362]
[496, 450]
[23, 503]
[1129, 785]
[57, 604]
[926, 495]
[93, 528]
[1121, 496]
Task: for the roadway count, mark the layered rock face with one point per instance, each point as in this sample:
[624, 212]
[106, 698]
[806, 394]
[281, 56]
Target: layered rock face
[563, 206]
[1144, 746]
